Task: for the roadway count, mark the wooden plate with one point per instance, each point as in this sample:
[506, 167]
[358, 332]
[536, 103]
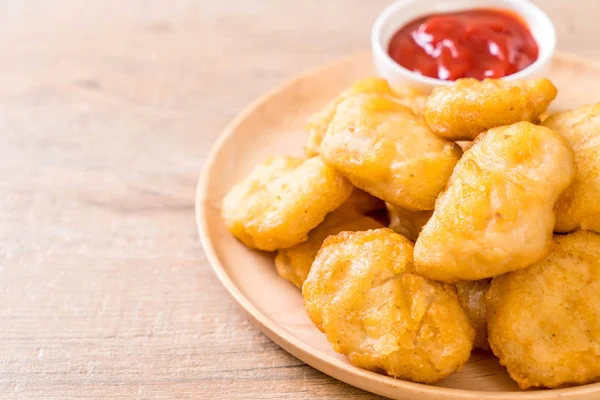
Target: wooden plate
[273, 125]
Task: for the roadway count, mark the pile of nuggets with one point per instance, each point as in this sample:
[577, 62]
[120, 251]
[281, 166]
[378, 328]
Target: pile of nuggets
[487, 239]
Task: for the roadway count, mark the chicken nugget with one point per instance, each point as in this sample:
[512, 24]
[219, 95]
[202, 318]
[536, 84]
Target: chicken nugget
[362, 292]
[319, 122]
[470, 107]
[294, 263]
[497, 213]
[544, 321]
[471, 295]
[579, 206]
[384, 149]
[280, 201]
[411, 98]
[405, 222]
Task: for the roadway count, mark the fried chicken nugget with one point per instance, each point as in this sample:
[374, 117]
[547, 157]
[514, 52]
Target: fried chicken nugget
[281, 201]
[470, 107]
[362, 292]
[544, 321]
[411, 98]
[471, 295]
[405, 222]
[319, 122]
[384, 149]
[579, 206]
[294, 263]
[497, 213]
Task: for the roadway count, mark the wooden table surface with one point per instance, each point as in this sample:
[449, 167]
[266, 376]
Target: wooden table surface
[107, 111]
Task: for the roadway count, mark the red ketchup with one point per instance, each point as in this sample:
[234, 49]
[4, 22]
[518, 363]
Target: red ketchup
[478, 43]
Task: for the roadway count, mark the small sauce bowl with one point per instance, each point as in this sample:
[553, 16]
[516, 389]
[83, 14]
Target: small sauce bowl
[402, 12]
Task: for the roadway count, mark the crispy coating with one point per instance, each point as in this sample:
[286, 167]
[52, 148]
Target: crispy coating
[544, 321]
[579, 206]
[294, 263]
[471, 295]
[411, 98]
[497, 212]
[280, 201]
[405, 222]
[385, 150]
[319, 122]
[470, 107]
[362, 292]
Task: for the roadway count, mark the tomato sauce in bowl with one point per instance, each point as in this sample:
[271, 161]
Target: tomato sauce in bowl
[476, 43]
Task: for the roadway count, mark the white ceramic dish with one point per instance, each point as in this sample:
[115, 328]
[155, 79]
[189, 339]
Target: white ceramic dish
[401, 12]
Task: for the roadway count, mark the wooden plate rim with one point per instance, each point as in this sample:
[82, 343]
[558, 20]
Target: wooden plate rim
[315, 358]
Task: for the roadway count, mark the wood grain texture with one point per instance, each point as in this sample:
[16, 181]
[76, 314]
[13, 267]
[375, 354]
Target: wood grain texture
[107, 111]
